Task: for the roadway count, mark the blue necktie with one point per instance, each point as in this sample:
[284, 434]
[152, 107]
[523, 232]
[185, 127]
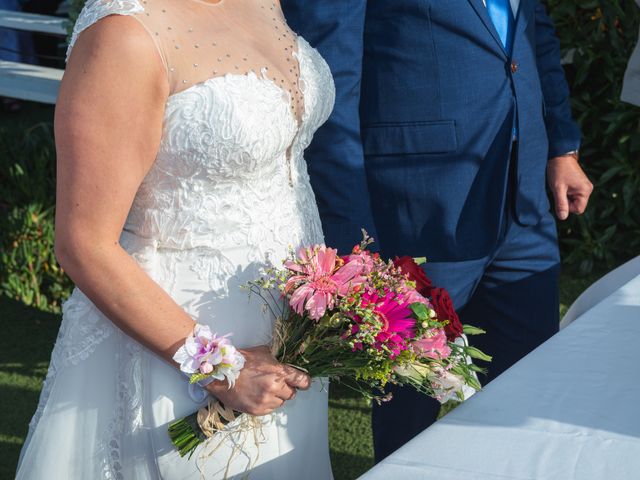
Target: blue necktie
[502, 17]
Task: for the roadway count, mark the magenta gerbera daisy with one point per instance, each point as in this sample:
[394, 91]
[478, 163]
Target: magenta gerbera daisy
[397, 321]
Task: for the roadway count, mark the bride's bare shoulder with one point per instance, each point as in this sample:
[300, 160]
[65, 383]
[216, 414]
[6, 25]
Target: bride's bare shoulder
[121, 36]
[113, 61]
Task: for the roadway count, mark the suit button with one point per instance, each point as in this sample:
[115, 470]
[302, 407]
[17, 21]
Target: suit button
[514, 67]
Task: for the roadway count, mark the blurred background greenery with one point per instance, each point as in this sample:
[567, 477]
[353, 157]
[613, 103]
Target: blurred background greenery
[597, 37]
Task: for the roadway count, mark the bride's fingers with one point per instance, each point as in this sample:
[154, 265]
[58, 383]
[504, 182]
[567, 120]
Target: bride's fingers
[297, 379]
[285, 392]
[288, 396]
[293, 394]
[267, 409]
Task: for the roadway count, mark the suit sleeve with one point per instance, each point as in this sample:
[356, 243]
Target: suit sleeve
[335, 157]
[563, 132]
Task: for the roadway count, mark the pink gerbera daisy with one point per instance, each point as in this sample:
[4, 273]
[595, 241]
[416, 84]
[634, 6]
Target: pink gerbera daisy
[321, 277]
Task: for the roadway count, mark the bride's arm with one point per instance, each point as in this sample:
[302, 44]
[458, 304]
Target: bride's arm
[108, 127]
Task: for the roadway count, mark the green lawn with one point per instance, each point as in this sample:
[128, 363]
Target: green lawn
[28, 336]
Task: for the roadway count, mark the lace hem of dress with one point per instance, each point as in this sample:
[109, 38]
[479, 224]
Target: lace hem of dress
[83, 327]
[127, 416]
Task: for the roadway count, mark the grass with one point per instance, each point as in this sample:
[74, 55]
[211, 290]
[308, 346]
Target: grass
[28, 336]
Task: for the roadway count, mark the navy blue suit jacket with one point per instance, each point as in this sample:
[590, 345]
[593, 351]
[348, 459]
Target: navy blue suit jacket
[417, 150]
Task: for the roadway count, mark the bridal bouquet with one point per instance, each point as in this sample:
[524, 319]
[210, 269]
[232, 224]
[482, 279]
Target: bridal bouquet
[357, 320]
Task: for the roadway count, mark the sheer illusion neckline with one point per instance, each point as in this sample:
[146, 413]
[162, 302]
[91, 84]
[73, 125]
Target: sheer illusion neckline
[260, 76]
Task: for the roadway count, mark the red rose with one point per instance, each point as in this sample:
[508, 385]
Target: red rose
[443, 306]
[415, 273]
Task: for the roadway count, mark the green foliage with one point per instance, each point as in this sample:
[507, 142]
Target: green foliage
[28, 268]
[600, 36]
[29, 272]
[27, 158]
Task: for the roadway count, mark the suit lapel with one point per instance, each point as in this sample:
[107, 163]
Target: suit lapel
[481, 10]
[522, 18]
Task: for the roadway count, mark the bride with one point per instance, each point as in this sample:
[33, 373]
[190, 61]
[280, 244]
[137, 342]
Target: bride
[180, 130]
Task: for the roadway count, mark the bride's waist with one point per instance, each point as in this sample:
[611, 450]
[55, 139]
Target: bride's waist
[190, 271]
[227, 229]
[135, 240]
[235, 248]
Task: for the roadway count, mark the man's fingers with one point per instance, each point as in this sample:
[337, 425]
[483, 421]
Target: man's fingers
[561, 200]
[570, 185]
[578, 204]
[579, 196]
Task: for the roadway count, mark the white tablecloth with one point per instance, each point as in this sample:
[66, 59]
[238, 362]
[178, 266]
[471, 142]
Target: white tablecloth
[569, 410]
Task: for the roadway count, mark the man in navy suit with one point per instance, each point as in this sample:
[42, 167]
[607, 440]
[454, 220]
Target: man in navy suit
[450, 115]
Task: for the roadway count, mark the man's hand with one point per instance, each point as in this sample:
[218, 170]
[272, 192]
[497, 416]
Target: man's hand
[570, 186]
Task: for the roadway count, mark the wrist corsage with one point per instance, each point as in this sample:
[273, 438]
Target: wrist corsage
[205, 357]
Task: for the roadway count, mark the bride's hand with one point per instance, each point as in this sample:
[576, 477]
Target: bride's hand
[264, 384]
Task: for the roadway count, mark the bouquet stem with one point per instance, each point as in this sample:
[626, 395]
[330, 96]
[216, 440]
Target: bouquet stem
[189, 432]
[186, 435]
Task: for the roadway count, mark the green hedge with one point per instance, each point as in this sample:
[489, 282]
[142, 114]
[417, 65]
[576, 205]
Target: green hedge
[29, 272]
[600, 35]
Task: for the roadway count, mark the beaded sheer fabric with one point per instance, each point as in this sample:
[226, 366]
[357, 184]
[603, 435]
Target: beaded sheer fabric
[227, 196]
[213, 39]
[208, 39]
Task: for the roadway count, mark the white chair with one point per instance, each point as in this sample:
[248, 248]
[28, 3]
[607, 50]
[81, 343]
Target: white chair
[600, 290]
[31, 82]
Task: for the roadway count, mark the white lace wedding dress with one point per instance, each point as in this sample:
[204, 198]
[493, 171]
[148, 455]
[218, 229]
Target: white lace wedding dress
[228, 194]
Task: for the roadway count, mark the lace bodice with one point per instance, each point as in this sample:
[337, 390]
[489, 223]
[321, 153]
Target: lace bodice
[247, 95]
